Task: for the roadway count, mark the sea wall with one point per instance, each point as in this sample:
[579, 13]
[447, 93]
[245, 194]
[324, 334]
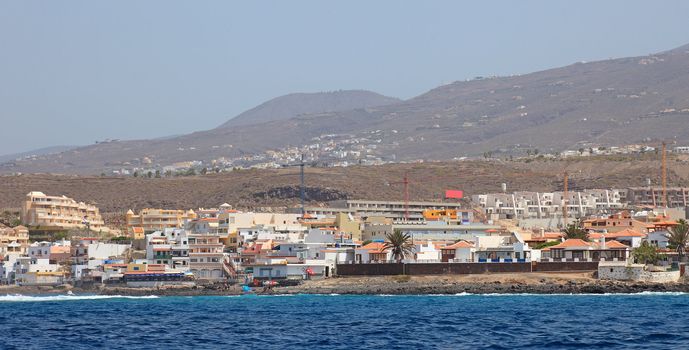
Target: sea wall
[635, 272]
[554, 266]
[413, 269]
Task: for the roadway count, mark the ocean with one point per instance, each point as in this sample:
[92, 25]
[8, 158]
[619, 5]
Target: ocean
[634, 321]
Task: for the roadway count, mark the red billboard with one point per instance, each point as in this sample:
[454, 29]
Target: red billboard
[456, 194]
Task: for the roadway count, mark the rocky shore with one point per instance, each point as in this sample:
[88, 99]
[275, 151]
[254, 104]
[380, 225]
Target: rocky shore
[533, 283]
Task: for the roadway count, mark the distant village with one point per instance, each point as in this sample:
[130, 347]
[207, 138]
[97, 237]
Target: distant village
[629, 234]
[341, 151]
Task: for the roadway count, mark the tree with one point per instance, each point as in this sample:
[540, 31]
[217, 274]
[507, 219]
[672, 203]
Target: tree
[204, 171]
[646, 253]
[136, 174]
[678, 237]
[149, 174]
[400, 244]
[157, 175]
[575, 231]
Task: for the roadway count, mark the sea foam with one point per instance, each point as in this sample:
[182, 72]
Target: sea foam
[68, 297]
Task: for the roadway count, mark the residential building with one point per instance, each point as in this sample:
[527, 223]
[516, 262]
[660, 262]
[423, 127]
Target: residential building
[169, 247]
[150, 220]
[617, 222]
[206, 259]
[396, 210]
[580, 250]
[58, 213]
[540, 205]
[653, 197]
[13, 240]
[461, 251]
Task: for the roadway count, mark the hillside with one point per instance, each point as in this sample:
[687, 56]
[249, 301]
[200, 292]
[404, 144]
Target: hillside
[35, 152]
[266, 188]
[297, 104]
[611, 102]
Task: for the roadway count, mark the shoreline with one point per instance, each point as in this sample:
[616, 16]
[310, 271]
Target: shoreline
[535, 284]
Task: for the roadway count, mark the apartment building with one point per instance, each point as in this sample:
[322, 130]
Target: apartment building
[150, 220]
[394, 210]
[169, 247]
[58, 213]
[14, 240]
[653, 196]
[530, 205]
[206, 258]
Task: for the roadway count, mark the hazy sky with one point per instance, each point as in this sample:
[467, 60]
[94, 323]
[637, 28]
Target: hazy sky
[72, 72]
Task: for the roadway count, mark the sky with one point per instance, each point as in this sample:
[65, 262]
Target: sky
[74, 72]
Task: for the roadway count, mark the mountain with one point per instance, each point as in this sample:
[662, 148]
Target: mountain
[36, 152]
[604, 103]
[294, 105]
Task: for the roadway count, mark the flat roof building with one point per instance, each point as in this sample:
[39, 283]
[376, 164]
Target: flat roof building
[58, 213]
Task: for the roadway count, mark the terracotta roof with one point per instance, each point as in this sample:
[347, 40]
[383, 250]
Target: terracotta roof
[572, 243]
[374, 247]
[460, 244]
[624, 233]
[612, 245]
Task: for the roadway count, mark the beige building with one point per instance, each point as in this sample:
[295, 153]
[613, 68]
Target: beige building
[206, 256]
[150, 220]
[57, 213]
[14, 240]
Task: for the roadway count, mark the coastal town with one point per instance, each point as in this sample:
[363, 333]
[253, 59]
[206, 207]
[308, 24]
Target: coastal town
[632, 234]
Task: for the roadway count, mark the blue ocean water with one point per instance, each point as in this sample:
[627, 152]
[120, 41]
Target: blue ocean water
[642, 321]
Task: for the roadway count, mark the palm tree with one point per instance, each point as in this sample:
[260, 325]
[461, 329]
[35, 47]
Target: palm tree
[646, 253]
[679, 237]
[400, 244]
[575, 231]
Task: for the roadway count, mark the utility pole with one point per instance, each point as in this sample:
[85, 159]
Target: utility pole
[565, 197]
[405, 182]
[301, 187]
[301, 182]
[663, 172]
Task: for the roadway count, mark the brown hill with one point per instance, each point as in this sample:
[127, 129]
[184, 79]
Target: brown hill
[264, 188]
[610, 102]
[294, 105]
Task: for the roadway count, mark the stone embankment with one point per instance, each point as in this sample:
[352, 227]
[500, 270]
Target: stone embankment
[533, 283]
[528, 283]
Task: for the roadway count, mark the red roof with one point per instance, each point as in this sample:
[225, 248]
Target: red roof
[572, 243]
[460, 244]
[613, 245]
[374, 247]
[624, 233]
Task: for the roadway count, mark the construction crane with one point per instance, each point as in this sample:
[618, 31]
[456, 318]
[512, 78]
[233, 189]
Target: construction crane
[663, 173]
[301, 185]
[405, 182]
[565, 199]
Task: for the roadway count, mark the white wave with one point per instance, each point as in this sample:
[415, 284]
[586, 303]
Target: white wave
[580, 294]
[67, 297]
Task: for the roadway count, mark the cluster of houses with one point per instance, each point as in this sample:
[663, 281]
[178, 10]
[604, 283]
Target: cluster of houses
[221, 244]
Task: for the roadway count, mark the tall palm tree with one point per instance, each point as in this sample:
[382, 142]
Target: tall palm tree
[679, 237]
[400, 244]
